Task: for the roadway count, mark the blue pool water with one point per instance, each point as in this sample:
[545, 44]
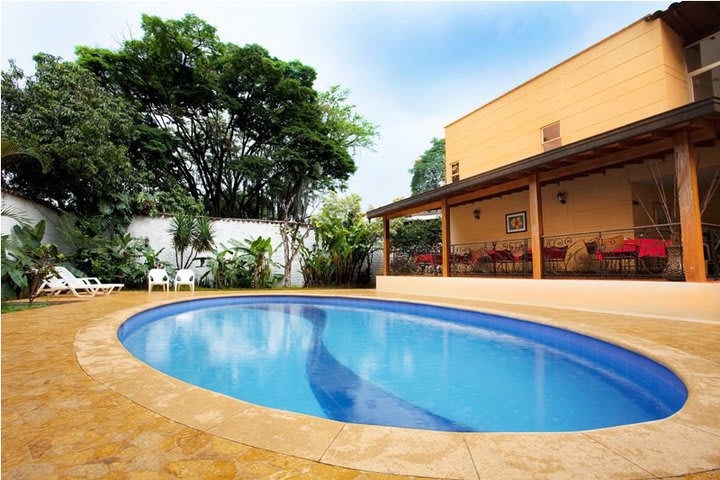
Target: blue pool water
[402, 364]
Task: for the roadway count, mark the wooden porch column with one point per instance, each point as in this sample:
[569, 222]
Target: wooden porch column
[689, 203]
[536, 226]
[386, 246]
[445, 238]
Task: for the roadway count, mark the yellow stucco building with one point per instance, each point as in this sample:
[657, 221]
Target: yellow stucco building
[606, 165]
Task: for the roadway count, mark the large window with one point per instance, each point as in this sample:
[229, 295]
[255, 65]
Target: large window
[551, 136]
[703, 64]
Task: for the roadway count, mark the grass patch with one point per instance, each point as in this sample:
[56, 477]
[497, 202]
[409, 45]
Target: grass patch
[17, 307]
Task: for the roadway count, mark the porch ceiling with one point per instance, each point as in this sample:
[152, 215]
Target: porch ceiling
[628, 144]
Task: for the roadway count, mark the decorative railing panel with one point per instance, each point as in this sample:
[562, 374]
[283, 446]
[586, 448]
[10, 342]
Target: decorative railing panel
[427, 262]
[646, 252]
[497, 258]
[652, 251]
[711, 249]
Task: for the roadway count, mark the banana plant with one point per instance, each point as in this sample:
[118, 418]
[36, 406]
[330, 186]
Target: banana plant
[26, 261]
[257, 253]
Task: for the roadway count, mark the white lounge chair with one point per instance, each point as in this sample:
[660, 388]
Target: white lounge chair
[158, 276]
[185, 277]
[56, 286]
[53, 286]
[73, 281]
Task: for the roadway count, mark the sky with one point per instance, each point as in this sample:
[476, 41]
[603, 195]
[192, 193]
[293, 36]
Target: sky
[412, 67]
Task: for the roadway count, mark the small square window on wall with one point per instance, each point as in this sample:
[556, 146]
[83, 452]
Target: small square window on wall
[551, 137]
[455, 171]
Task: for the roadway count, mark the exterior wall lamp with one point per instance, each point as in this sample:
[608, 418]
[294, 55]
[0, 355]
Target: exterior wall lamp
[562, 198]
[476, 214]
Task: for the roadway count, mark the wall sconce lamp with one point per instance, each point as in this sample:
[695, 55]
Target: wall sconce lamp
[476, 214]
[562, 198]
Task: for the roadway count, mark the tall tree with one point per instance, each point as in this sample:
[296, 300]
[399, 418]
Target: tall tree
[248, 129]
[429, 170]
[78, 130]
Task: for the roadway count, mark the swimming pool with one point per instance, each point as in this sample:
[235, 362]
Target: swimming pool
[402, 364]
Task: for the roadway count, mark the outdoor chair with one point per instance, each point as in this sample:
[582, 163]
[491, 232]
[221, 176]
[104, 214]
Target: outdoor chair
[78, 283]
[158, 277]
[185, 277]
[554, 258]
[56, 286]
[53, 286]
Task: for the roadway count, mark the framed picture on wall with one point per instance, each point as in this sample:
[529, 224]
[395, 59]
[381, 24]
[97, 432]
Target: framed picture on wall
[516, 222]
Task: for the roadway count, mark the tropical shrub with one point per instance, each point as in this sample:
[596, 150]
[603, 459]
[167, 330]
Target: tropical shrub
[26, 261]
[344, 244]
[316, 266]
[257, 254]
[190, 237]
[226, 270]
[121, 258]
[246, 264]
[415, 234]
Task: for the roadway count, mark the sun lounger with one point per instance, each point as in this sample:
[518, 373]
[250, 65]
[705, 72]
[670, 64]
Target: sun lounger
[53, 286]
[78, 283]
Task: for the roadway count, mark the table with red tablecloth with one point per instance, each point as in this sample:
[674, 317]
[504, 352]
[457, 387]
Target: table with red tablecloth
[632, 249]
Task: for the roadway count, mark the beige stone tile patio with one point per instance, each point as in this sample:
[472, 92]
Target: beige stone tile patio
[121, 419]
[548, 456]
[416, 452]
[679, 450]
[292, 434]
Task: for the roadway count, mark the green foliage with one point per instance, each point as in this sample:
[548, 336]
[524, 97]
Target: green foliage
[347, 127]
[248, 137]
[246, 264]
[80, 131]
[415, 234]
[429, 170]
[226, 269]
[26, 261]
[344, 244]
[190, 237]
[121, 259]
[174, 201]
[257, 254]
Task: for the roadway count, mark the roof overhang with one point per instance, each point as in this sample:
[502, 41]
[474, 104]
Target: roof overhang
[693, 21]
[634, 142]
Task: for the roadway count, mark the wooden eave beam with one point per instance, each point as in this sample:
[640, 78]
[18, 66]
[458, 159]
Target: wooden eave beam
[607, 161]
[420, 208]
[507, 187]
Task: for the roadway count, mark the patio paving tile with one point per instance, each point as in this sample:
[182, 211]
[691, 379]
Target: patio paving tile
[569, 454]
[679, 451]
[58, 422]
[385, 450]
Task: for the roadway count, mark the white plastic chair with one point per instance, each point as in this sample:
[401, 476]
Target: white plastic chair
[76, 282]
[53, 286]
[185, 277]
[158, 276]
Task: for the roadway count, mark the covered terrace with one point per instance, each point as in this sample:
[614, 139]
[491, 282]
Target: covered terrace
[644, 206]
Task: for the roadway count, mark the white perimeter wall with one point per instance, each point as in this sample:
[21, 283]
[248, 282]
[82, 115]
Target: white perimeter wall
[34, 212]
[672, 300]
[155, 229]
